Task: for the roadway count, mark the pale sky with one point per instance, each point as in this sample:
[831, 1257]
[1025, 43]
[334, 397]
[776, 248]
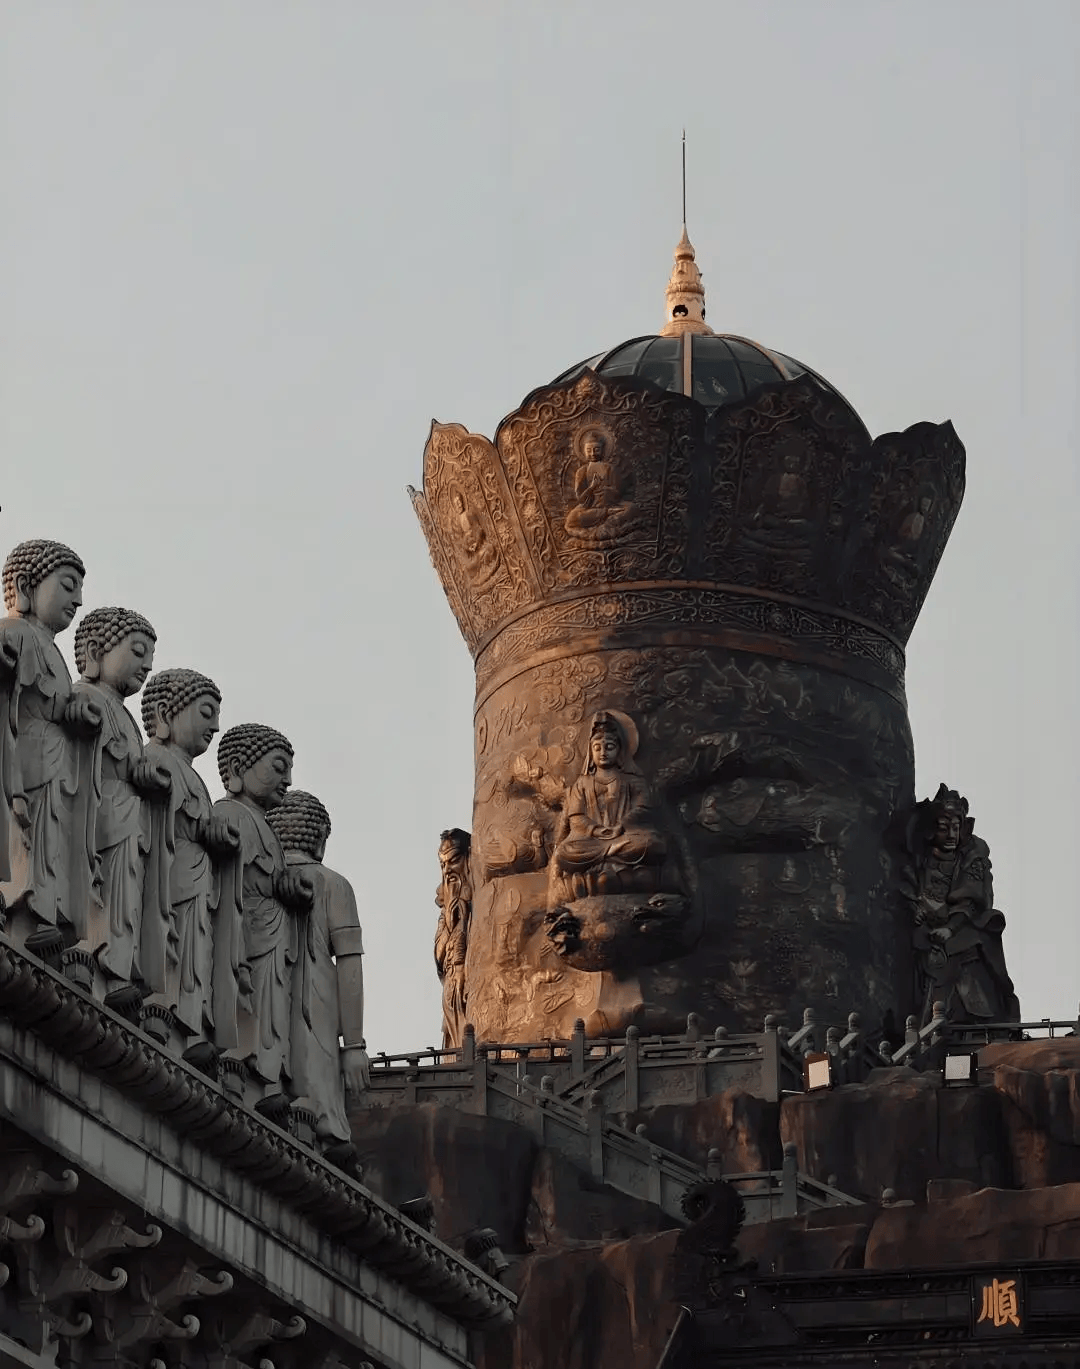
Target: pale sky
[250, 248]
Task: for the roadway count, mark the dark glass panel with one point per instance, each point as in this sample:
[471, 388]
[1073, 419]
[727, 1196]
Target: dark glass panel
[759, 375]
[716, 382]
[667, 374]
[711, 349]
[795, 368]
[626, 355]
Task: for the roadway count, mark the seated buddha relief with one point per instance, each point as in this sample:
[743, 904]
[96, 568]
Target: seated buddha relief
[602, 509]
[619, 888]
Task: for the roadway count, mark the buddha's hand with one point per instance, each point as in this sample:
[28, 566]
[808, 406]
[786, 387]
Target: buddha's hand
[607, 833]
[82, 714]
[941, 933]
[153, 780]
[355, 1069]
[295, 890]
[218, 834]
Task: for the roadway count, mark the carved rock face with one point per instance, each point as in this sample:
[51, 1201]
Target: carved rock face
[735, 592]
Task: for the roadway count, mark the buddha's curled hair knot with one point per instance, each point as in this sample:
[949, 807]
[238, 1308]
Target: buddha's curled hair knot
[170, 692]
[36, 559]
[301, 822]
[106, 628]
[245, 745]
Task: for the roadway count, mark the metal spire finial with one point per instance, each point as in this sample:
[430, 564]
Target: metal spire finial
[684, 180]
[685, 292]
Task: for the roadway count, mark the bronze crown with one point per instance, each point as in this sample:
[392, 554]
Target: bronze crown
[609, 512]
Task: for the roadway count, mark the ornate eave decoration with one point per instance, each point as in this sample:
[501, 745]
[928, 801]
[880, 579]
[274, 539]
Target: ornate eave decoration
[73, 1024]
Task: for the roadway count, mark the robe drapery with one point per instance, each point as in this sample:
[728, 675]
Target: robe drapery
[108, 897]
[316, 1005]
[611, 839]
[176, 949]
[256, 937]
[41, 821]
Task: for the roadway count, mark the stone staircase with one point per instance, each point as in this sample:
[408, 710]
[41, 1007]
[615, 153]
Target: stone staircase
[635, 1166]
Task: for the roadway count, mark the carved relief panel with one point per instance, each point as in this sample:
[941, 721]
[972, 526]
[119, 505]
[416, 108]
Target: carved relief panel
[600, 474]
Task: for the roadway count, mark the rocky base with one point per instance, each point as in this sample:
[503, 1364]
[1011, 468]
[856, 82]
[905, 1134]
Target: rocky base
[951, 1177]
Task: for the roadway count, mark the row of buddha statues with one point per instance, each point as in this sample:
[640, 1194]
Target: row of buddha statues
[214, 924]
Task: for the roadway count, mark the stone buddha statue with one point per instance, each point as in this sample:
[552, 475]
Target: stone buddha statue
[180, 710]
[454, 901]
[948, 887]
[43, 583]
[261, 900]
[327, 1030]
[615, 878]
[114, 652]
[610, 843]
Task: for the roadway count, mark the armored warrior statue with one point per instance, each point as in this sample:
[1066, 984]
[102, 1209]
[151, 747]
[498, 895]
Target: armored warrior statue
[38, 820]
[328, 980]
[114, 651]
[180, 710]
[261, 900]
[454, 901]
[948, 887]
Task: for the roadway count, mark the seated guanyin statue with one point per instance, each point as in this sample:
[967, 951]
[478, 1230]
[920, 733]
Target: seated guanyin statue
[610, 841]
[114, 652]
[328, 985]
[261, 901]
[181, 713]
[39, 823]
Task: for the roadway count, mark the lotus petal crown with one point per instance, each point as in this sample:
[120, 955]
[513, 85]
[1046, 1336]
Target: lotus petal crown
[609, 511]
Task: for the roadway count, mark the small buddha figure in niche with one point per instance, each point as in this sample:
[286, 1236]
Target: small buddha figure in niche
[903, 560]
[261, 900]
[114, 651]
[601, 504]
[948, 887]
[39, 716]
[610, 840]
[454, 901]
[181, 712]
[782, 519]
[480, 556]
[328, 978]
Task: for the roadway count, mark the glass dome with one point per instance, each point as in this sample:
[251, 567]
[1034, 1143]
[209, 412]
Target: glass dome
[715, 369]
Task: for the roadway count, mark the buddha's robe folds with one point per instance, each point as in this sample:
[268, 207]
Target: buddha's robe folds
[327, 997]
[611, 836]
[257, 940]
[40, 820]
[176, 952]
[109, 896]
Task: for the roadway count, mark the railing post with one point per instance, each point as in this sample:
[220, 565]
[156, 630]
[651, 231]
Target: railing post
[656, 1179]
[630, 1070]
[577, 1049]
[789, 1181]
[468, 1044]
[594, 1117]
[480, 1085]
[770, 1061]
